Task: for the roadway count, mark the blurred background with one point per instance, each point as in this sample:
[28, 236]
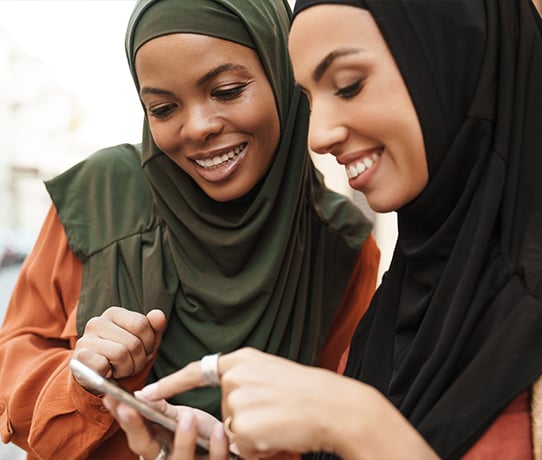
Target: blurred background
[66, 91]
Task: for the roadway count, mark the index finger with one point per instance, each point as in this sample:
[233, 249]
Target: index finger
[187, 378]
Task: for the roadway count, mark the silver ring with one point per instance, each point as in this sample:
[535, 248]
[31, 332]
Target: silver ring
[227, 428]
[209, 369]
[162, 455]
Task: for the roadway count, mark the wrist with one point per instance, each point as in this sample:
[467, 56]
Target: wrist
[342, 418]
[376, 429]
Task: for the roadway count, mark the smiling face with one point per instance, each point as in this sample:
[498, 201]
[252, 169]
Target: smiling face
[361, 110]
[211, 109]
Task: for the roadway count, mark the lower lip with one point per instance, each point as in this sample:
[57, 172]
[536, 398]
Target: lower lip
[223, 172]
[361, 182]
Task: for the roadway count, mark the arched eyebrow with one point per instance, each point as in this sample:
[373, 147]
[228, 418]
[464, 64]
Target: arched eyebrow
[201, 81]
[220, 69]
[324, 64]
[151, 90]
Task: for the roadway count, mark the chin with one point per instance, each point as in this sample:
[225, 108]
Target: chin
[378, 206]
[223, 195]
[381, 206]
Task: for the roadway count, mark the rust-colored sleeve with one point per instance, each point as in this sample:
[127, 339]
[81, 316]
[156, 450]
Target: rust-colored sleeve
[509, 437]
[42, 409]
[354, 304]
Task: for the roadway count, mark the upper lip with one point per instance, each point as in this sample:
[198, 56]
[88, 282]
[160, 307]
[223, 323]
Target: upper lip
[347, 158]
[215, 152]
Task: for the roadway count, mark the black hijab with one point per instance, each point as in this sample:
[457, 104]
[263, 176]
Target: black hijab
[454, 333]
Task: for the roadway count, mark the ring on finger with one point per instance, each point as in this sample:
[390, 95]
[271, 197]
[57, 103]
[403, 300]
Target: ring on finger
[209, 369]
[162, 455]
[227, 428]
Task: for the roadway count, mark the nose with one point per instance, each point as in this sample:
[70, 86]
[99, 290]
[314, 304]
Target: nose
[200, 122]
[326, 130]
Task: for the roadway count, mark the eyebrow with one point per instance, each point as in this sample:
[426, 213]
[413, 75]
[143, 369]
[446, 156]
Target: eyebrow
[324, 64]
[220, 69]
[201, 81]
[151, 90]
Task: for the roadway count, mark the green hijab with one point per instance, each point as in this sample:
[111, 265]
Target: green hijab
[267, 270]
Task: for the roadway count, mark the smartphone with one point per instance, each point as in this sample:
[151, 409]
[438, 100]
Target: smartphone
[97, 382]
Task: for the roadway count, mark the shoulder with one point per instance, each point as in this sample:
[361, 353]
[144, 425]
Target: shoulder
[338, 213]
[122, 159]
[103, 198]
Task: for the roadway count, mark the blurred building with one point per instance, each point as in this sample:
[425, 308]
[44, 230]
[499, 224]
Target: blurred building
[39, 137]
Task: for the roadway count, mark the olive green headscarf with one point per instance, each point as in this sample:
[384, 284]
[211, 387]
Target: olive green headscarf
[267, 270]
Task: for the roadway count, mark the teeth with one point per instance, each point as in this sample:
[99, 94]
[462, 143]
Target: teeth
[368, 162]
[220, 159]
[355, 169]
[351, 171]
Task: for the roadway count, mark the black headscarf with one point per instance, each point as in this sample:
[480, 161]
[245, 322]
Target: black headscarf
[454, 333]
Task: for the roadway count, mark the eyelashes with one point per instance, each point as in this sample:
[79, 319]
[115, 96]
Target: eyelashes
[350, 91]
[228, 94]
[161, 111]
[221, 94]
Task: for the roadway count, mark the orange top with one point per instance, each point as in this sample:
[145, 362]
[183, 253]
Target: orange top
[42, 409]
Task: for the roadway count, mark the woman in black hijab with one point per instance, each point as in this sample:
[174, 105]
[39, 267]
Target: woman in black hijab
[435, 109]
[216, 232]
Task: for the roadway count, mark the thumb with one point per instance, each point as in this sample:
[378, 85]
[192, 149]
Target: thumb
[157, 320]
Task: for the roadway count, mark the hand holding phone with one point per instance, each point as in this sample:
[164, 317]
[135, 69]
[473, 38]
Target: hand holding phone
[98, 383]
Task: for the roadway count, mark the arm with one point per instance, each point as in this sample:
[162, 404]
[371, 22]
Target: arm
[36, 342]
[272, 409]
[354, 304]
[42, 408]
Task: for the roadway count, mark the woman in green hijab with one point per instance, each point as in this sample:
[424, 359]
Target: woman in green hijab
[215, 233]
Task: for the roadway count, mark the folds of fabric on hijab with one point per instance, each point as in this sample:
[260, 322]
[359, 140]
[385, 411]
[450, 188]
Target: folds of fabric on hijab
[267, 270]
[455, 330]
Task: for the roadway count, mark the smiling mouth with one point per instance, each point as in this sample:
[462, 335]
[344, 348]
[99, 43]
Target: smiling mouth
[358, 167]
[220, 160]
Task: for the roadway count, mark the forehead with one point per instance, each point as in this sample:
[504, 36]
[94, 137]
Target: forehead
[320, 29]
[190, 44]
[185, 53]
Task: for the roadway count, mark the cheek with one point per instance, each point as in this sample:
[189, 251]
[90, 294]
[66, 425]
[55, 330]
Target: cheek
[263, 121]
[415, 151]
[163, 137]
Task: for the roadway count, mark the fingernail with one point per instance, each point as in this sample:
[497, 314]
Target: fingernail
[149, 391]
[124, 413]
[218, 432]
[106, 404]
[187, 420]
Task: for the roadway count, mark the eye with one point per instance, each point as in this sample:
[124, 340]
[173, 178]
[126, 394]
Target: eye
[350, 91]
[228, 93]
[161, 111]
